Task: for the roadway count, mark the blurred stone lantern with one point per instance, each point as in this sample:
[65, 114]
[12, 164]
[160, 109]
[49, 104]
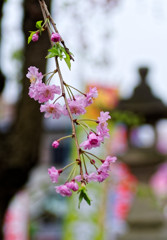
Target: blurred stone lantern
[145, 221]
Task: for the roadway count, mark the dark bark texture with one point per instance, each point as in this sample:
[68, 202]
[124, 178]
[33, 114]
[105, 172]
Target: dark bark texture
[19, 148]
[2, 77]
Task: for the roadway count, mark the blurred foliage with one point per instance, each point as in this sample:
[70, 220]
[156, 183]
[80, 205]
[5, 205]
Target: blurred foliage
[144, 190]
[129, 118]
[18, 55]
[33, 229]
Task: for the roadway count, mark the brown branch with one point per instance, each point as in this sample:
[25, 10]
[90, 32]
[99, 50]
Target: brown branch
[46, 14]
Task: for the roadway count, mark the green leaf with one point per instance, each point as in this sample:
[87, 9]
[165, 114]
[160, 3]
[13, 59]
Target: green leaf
[50, 55]
[56, 50]
[38, 24]
[53, 52]
[83, 195]
[87, 199]
[67, 60]
[30, 37]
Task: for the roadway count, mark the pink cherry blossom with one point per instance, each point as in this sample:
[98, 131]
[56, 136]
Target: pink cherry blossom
[93, 177]
[47, 92]
[43, 92]
[34, 75]
[111, 159]
[54, 174]
[77, 106]
[55, 144]
[35, 37]
[104, 167]
[104, 116]
[97, 177]
[55, 37]
[72, 185]
[90, 96]
[86, 145]
[34, 90]
[50, 109]
[102, 130]
[78, 178]
[106, 164]
[102, 176]
[93, 140]
[63, 190]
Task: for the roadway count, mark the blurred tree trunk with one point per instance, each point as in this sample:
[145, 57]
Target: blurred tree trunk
[2, 77]
[19, 149]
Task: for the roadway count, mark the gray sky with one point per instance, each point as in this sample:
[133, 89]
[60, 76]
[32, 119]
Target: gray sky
[138, 36]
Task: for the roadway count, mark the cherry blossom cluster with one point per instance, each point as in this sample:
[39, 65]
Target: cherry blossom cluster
[45, 94]
[48, 96]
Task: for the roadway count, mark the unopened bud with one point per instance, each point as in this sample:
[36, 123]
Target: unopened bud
[92, 161]
[55, 144]
[35, 37]
[55, 37]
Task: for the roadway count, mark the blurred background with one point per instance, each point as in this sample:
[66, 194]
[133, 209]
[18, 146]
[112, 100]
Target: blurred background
[120, 47]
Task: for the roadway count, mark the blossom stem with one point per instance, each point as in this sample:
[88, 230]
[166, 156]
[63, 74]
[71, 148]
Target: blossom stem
[84, 128]
[69, 94]
[93, 155]
[47, 73]
[57, 99]
[50, 26]
[76, 89]
[69, 136]
[72, 173]
[46, 20]
[84, 164]
[86, 119]
[91, 160]
[69, 165]
[49, 79]
[81, 170]
[85, 125]
[90, 129]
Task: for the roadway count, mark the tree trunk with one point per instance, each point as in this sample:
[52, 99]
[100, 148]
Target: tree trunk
[19, 149]
[2, 77]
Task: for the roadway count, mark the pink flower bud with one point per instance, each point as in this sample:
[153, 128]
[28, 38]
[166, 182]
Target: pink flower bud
[35, 37]
[92, 161]
[55, 144]
[55, 37]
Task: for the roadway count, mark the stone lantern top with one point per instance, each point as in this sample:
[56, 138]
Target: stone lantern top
[143, 102]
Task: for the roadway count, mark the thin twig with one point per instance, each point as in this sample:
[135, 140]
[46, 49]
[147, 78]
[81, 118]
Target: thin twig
[46, 14]
[86, 171]
[93, 155]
